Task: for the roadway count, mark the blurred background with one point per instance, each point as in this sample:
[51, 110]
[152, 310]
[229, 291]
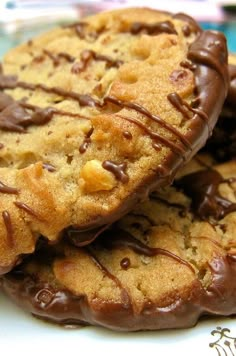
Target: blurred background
[22, 19]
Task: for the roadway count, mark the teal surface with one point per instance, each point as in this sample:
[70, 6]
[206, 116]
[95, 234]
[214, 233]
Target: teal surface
[10, 40]
[229, 29]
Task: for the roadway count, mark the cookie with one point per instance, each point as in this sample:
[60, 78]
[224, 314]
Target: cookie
[222, 143]
[163, 265]
[96, 115]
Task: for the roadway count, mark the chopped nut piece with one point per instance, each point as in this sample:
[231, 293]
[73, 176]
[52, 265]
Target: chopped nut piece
[97, 178]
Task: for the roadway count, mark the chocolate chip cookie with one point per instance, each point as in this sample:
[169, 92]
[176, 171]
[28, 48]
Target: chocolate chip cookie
[95, 115]
[163, 265]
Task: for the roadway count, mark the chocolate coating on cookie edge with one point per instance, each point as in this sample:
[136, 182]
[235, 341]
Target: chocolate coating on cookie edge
[62, 307]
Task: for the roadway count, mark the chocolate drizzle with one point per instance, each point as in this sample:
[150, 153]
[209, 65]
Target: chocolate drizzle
[8, 190]
[28, 210]
[58, 56]
[9, 228]
[126, 301]
[183, 107]
[153, 29]
[202, 187]
[83, 147]
[87, 55]
[156, 137]
[16, 116]
[10, 82]
[121, 238]
[117, 169]
[49, 167]
[155, 118]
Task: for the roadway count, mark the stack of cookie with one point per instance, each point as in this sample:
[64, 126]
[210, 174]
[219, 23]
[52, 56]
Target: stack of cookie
[108, 217]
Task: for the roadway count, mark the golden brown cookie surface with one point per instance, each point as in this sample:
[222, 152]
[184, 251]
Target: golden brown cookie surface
[94, 115]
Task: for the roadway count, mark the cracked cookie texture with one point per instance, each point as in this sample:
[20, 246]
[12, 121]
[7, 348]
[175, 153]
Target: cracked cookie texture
[95, 115]
[169, 261]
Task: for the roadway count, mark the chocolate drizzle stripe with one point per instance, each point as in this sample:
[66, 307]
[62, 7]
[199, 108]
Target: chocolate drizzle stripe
[179, 104]
[16, 116]
[9, 228]
[185, 108]
[8, 190]
[117, 169]
[83, 99]
[54, 110]
[121, 238]
[145, 112]
[155, 136]
[49, 167]
[124, 294]
[28, 210]
[88, 55]
[57, 56]
[85, 144]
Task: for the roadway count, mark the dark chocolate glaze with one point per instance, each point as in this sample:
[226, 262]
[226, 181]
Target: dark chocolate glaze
[153, 29]
[118, 169]
[203, 188]
[8, 190]
[9, 228]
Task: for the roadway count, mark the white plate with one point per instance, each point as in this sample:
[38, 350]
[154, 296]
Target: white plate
[22, 334]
